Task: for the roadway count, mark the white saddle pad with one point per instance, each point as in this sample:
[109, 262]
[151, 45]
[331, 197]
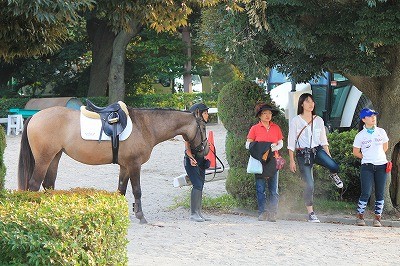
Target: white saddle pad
[90, 129]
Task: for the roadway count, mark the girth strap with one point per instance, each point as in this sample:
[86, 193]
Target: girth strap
[113, 122]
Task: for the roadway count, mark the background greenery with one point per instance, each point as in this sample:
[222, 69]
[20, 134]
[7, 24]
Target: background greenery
[2, 148]
[236, 102]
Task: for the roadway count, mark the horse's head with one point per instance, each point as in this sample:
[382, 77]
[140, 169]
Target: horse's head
[199, 143]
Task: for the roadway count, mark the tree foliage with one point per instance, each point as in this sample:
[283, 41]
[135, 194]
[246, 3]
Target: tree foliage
[36, 27]
[60, 72]
[230, 36]
[351, 37]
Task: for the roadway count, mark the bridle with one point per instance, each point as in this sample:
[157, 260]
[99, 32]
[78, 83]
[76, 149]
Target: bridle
[199, 148]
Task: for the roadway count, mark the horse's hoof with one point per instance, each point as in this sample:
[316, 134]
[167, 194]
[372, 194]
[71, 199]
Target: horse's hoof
[143, 221]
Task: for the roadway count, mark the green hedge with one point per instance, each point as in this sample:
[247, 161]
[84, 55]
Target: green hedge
[6, 104]
[77, 227]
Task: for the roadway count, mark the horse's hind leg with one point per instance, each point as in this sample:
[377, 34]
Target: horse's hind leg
[137, 193]
[51, 175]
[38, 174]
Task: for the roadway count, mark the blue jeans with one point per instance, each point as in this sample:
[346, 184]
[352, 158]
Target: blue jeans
[306, 172]
[273, 194]
[323, 159]
[197, 174]
[372, 175]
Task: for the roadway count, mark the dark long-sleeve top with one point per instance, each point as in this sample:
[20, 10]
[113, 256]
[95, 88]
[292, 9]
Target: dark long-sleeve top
[257, 149]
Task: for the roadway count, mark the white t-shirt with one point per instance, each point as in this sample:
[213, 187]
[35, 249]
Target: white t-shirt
[316, 129]
[371, 145]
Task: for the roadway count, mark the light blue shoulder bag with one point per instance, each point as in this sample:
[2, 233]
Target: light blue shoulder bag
[254, 166]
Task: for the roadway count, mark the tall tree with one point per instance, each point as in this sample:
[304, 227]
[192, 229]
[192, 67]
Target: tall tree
[102, 39]
[35, 28]
[154, 56]
[128, 17]
[187, 74]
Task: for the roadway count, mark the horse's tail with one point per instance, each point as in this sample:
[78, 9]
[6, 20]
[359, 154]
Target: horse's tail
[26, 162]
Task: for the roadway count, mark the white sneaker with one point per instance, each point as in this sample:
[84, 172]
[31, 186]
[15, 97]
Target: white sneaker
[312, 218]
[337, 180]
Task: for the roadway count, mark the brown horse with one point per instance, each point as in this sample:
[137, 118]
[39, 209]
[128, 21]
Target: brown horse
[55, 130]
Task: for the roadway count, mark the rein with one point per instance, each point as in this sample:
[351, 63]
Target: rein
[215, 169]
[201, 146]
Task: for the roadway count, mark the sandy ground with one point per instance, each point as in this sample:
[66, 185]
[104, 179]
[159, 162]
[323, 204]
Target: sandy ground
[170, 238]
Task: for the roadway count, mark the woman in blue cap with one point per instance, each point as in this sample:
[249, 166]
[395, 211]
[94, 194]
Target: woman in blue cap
[370, 145]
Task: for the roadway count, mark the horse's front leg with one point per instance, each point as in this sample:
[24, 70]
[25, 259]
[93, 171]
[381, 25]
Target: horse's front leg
[137, 193]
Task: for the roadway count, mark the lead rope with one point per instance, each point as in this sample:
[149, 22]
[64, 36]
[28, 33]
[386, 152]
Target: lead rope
[215, 169]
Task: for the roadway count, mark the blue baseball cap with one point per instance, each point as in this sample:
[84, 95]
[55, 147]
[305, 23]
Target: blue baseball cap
[367, 112]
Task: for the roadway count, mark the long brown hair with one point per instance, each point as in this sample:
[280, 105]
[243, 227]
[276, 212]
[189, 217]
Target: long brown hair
[302, 98]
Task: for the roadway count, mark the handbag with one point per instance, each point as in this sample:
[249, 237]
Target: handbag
[254, 166]
[280, 162]
[389, 167]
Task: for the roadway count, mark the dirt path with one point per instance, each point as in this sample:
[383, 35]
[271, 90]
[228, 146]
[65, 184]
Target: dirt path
[171, 239]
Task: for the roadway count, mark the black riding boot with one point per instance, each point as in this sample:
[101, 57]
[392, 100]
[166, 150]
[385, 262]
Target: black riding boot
[201, 215]
[195, 203]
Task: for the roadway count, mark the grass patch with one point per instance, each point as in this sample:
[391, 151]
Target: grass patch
[335, 207]
[224, 203]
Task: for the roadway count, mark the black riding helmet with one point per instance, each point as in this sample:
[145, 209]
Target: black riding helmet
[197, 109]
[198, 106]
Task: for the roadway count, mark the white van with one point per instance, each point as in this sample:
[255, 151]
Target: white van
[337, 101]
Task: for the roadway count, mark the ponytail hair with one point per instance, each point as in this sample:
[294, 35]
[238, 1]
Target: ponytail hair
[361, 125]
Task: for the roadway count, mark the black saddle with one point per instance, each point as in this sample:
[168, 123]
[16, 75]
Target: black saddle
[113, 122]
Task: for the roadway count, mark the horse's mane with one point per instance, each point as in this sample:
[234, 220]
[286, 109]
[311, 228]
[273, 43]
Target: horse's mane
[158, 109]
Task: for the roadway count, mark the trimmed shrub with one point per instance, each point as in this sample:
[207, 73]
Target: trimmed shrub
[236, 102]
[236, 154]
[78, 227]
[241, 186]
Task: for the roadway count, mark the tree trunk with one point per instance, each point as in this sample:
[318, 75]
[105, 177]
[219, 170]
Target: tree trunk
[102, 39]
[395, 184]
[384, 92]
[116, 79]
[187, 75]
